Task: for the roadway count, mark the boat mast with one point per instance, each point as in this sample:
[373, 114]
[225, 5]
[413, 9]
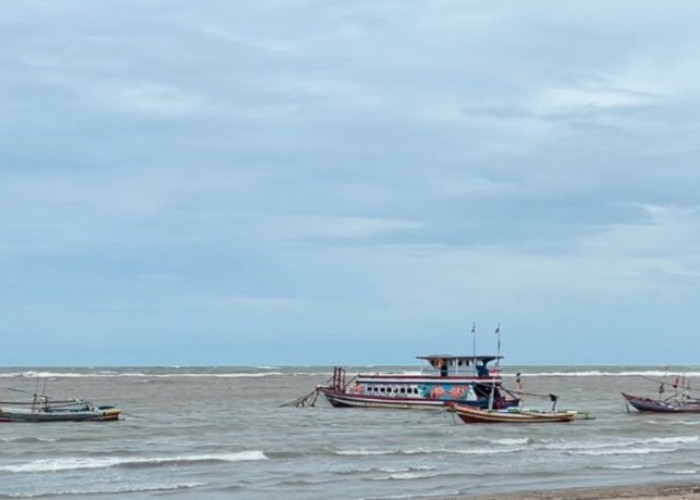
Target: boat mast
[498, 346]
[498, 364]
[474, 339]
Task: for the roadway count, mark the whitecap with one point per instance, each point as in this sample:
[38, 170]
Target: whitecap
[74, 463]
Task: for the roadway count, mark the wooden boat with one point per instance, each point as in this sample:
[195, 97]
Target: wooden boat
[578, 414]
[471, 415]
[445, 379]
[45, 409]
[673, 404]
[680, 400]
[86, 414]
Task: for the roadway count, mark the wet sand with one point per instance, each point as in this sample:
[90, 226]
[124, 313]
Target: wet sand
[665, 491]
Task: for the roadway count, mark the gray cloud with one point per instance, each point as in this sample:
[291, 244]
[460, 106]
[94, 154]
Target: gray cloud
[374, 170]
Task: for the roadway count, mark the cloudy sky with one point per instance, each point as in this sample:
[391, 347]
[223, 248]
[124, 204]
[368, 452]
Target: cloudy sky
[321, 182]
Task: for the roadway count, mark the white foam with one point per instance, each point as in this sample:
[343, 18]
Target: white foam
[622, 451]
[624, 467]
[109, 490]
[484, 451]
[682, 472]
[73, 463]
[621, 443]
[512, 441]
[54, 375]
[410, 475]
[361, 453]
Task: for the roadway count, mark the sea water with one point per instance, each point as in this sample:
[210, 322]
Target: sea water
[220, 432]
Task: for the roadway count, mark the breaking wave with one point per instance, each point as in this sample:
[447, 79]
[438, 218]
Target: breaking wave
[74, 463]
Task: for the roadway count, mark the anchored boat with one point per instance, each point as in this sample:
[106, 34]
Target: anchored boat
[467, 380]
[471, 415]
[668, 405]
[680, 401]
[42, 408]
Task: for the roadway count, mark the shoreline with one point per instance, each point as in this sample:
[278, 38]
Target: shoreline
[685, 490]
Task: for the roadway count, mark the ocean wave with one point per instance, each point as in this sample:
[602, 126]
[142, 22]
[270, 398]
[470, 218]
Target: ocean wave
[361, 453]
[621, 467]
[681, 472]
[621, 451]
[303, 482]
[74, 463]
[110, 374]
[387, 470]
[674, 439]
[28, 439]
[511, 441]
[423, 451]
[603, 373]
[106, 490]
[485, 451]
[620, 443]
[409, 475]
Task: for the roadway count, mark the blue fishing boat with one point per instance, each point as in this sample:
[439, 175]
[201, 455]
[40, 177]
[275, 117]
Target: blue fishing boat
[444, 379]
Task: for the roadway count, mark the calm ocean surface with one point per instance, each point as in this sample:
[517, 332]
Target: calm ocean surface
[219, 432]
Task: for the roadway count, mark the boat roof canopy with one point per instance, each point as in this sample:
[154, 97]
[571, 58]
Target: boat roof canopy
[448, 357]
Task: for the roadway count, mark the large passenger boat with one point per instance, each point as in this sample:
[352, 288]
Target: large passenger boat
[466, 380]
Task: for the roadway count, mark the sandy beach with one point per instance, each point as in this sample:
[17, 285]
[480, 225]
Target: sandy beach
[666, 491]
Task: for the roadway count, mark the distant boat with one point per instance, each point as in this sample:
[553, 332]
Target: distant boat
[471, 415]
[44, 409]
[669, 405]
[467, 380]
[679, 402]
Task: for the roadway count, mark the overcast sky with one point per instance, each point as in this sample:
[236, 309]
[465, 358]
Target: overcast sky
[321, 182]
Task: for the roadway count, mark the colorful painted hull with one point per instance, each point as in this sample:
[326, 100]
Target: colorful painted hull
[663, 406]
[339, 399]
[411, 392]
[96, 414]
[471, 415]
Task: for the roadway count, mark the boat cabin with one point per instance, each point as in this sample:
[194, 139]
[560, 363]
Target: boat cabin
[447, 365]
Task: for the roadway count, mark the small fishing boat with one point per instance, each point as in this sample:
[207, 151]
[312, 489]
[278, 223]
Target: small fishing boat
[669, 405]
[472, 415]
[680, 401]
[42, 408]
[80, 413]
